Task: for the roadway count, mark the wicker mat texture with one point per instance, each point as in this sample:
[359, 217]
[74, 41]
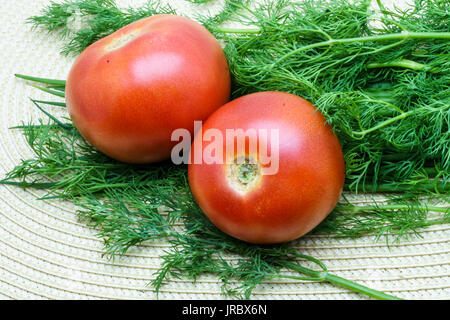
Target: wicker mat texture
[46, 253]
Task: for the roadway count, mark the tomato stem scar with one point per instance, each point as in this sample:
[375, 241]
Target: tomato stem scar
[122, 41]
[244, 173]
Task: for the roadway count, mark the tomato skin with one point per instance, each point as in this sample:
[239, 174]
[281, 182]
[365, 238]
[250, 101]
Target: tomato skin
[127, 92]
[284, 206]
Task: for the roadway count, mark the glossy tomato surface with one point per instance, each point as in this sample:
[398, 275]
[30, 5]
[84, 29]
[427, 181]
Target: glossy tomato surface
[269, 208]
[127, 92]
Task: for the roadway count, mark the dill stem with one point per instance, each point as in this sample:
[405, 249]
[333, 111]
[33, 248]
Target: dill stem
[62, 125]
[54, 82]
[386, 103]
[238, 30]
[52, 103]
[358, 287]
[384, 123]
[358, 209]
[53, 92]
[384, 188]
[38, 126]
[36, 185]
[331, 278]
[383, 37]
[402, 63]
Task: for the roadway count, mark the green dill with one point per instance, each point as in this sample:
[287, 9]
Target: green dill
[385, 90]
[86, 21]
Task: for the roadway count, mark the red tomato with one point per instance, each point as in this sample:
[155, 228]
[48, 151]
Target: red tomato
[127, 92]
[263, 208]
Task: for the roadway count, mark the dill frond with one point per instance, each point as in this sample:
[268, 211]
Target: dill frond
[82, 22]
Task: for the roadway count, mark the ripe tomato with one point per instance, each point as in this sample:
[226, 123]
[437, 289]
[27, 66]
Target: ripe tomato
[127, 92]
[263, 208]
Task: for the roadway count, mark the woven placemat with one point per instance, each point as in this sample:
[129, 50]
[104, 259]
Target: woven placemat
[46, 253]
